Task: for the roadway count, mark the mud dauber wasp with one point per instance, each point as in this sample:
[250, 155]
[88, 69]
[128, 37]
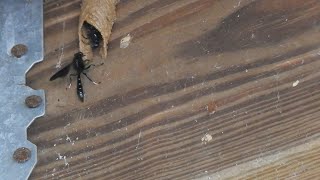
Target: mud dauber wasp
[80, 66]
[93, 35]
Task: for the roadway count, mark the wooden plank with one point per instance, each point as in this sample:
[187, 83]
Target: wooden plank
[244, 73]
[302, 165]
[299, 162]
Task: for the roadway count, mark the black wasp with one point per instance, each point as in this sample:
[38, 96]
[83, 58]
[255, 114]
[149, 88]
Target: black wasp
[93, 35]
[80, 66]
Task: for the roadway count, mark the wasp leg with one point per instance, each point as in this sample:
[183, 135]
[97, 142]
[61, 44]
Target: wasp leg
[86, 61]
[70, 79]
[96, 83]
[93, 65]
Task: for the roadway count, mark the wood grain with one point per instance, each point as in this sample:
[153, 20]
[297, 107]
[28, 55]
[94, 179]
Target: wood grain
[245, 73]
[302, 164]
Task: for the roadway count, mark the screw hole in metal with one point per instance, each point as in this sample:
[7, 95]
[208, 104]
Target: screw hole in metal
[19, 50]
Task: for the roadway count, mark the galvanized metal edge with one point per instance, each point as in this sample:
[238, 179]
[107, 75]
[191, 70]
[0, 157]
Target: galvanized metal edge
[21, 22]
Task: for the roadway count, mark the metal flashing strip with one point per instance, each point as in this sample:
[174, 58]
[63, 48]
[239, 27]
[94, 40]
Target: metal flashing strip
[21, 46]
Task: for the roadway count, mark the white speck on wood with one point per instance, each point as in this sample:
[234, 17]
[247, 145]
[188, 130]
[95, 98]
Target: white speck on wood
[68, 138]
[295, 83]
[124, 42]
[59, 156]
[65, 161]
[67, 125]
[138, 139]
[58, 65]
[206, 138]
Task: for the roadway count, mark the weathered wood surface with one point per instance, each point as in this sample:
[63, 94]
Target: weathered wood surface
[243, 72]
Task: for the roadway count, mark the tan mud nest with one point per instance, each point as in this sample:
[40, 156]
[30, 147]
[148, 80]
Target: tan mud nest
[101, 14]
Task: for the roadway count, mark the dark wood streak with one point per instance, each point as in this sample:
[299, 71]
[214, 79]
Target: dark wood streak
[143, 11]
[167, 19]
[253, 26]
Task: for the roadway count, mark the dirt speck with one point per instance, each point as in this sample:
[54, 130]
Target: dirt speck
[211, 107]
[295, 83]
[206, 138]
[124, 42]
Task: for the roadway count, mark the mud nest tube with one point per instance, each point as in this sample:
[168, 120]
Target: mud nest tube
[101, 15]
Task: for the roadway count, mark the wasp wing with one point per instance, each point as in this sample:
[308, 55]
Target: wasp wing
[61, 73]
